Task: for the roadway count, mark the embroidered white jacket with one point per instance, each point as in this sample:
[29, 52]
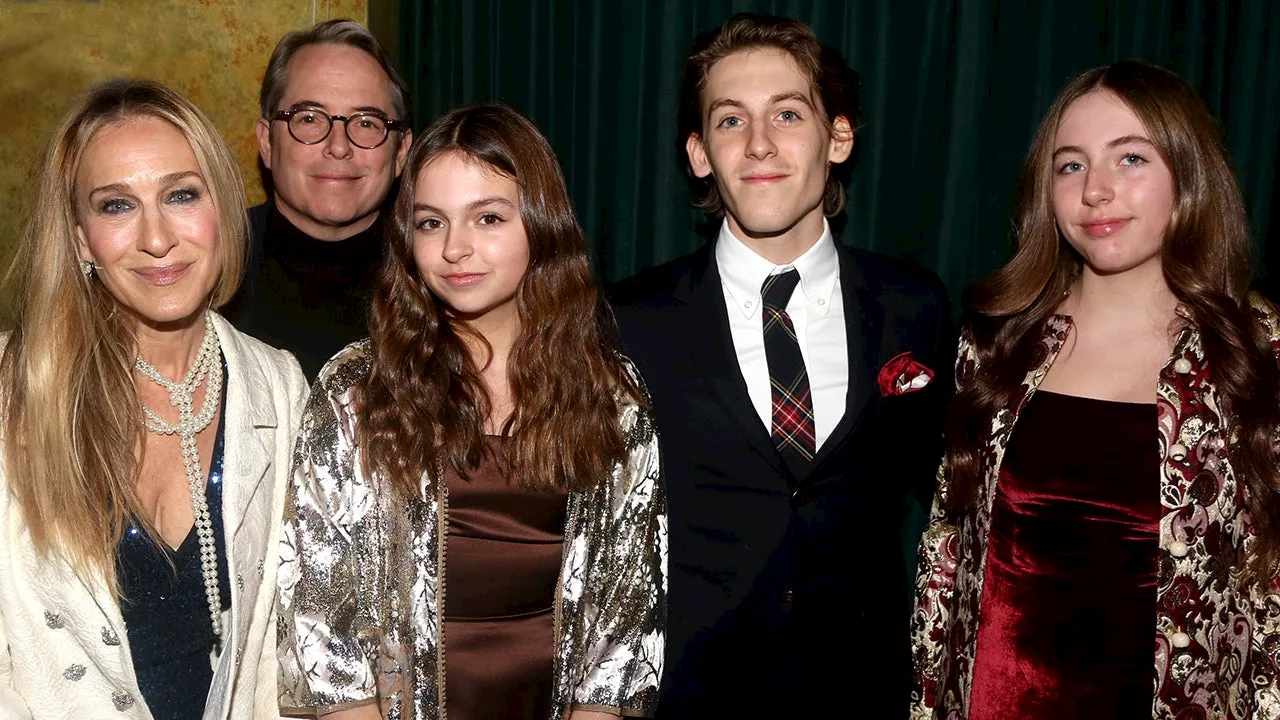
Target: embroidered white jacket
[63, 649]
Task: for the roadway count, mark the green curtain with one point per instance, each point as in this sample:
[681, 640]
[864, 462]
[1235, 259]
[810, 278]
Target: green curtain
[951, 94]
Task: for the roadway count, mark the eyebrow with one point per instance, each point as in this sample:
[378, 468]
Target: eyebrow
[495, 200]
[168, 179]
[1125, 140]
[302, 104]
[723, 102]
[791, 95]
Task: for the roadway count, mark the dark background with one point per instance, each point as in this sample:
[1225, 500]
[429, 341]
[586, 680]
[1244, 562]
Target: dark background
[951, 95]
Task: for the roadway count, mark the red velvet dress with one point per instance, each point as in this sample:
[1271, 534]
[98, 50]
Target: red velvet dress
[1069, 596]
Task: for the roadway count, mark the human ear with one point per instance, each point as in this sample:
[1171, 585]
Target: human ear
[263, 130]
[841, 144]
[697, 155]
[402, 154]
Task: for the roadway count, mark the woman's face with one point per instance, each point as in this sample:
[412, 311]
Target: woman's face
[1113, 194]
[469, 241]
[146, 218]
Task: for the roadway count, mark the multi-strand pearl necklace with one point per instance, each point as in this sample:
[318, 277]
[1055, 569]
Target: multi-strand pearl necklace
[208, 364]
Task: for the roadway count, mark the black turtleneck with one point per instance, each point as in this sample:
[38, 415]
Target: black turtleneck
[307, 296]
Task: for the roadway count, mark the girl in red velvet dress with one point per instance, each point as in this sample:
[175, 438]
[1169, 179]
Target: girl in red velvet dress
[1106, 530]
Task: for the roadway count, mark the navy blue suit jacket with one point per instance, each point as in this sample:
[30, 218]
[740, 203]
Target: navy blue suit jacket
[788, 594]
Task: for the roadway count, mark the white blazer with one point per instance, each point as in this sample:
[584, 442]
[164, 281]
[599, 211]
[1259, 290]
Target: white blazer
[63, 650]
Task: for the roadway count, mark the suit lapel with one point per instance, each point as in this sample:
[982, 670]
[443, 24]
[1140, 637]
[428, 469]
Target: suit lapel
[706, 331]
[864, 328]
[251, 426]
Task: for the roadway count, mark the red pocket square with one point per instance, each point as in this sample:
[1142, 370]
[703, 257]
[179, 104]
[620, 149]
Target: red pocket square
[902, 375]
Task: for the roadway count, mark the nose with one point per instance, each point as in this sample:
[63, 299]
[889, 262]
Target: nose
[457, 246]
[338, 145]
[156, 238]
[760, 143]
[1098, 186]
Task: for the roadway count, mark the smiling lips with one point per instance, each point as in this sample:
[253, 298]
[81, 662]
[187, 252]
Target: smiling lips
[163, 275]
[463, 279]
[1104, 227]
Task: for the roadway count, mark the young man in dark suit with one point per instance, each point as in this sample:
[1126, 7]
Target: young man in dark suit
[798, 387]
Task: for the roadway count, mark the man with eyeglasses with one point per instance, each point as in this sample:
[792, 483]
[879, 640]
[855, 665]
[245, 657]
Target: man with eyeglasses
[333, 137]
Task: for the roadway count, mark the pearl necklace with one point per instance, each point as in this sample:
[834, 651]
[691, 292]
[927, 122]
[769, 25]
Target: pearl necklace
[208, 364]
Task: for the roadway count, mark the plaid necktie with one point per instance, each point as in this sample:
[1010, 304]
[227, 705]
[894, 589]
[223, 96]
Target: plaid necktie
[792, 430]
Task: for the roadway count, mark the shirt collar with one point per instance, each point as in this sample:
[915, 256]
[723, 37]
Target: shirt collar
[743, 272]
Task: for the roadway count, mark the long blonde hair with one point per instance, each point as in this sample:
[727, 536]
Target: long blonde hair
[72, 423]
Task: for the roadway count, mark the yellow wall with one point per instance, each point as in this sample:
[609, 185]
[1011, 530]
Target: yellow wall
[212, 51]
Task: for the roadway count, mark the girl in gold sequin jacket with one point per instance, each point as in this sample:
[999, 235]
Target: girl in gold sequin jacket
[485, 440]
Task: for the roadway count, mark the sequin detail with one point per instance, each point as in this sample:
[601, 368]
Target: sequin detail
[360, 580]
[73, 672]
[109, 637]
[53, 620]
[122, 700]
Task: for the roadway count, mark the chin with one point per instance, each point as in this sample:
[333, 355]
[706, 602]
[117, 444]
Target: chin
[770, 225]
[344, 218]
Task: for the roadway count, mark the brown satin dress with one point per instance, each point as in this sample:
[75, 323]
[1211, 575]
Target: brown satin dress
[501, 566]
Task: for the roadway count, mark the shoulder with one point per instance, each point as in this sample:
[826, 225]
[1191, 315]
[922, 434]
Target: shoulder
[272, 361]
[258, 218]
[1265, 313]
[660, 285]
[344, 371]
[891, 276]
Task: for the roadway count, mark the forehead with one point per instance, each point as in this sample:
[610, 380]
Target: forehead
[340, 77]
[754, 74]
[133, 151]
[1096, 118]
[456, 179]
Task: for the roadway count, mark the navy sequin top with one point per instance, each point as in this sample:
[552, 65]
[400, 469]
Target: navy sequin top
[166, 615]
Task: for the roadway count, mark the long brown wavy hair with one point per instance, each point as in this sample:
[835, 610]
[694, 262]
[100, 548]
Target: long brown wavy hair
[72, 419]
[423, 405]
[1206, 264]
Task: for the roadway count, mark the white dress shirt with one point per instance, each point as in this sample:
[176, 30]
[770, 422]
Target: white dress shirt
[817, 312]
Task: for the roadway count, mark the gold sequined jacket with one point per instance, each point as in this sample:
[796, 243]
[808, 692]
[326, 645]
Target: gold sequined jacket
[362, 576]
[1215, 633]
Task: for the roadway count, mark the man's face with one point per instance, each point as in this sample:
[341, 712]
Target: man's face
[766, 146]
[333, 189]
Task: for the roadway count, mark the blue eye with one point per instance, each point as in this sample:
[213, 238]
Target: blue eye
[183, 196]
[115, 206]
[788, 116]
[1132, 159]
[1070, 167]
[731, 122]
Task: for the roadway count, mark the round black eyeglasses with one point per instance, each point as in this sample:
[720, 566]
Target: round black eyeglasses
[365, 130]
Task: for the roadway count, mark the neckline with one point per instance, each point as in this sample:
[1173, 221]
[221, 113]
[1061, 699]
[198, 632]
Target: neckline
[1102, 401]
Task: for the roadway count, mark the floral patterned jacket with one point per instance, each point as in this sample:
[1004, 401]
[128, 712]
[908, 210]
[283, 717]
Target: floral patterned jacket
[362, 576]
[1217, 634]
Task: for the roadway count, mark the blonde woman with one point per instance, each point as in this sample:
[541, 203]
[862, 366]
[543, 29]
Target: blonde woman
[145, 441]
